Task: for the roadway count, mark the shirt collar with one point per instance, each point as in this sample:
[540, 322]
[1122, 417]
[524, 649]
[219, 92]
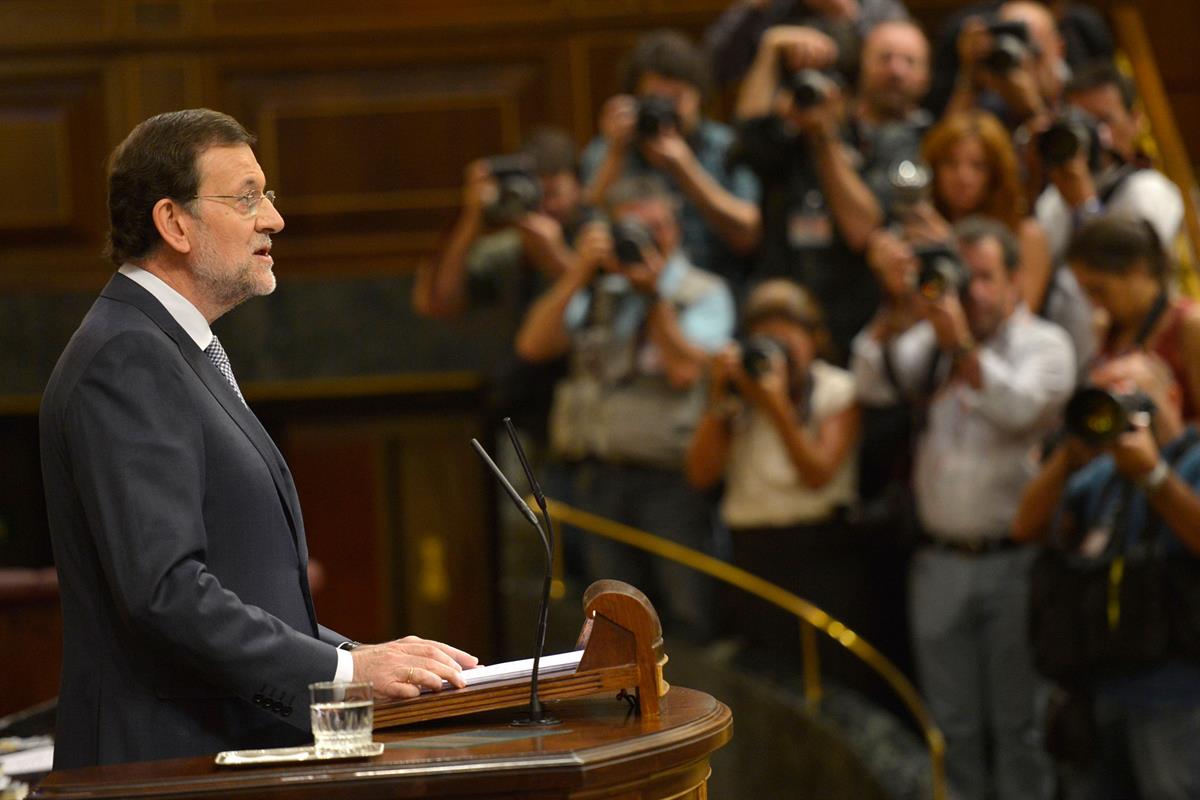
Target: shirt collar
[178, 306]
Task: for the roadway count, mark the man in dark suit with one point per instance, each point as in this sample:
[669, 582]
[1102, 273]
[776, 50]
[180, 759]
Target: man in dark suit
[187, 622]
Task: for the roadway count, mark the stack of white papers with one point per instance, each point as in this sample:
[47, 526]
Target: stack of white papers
[556, 664]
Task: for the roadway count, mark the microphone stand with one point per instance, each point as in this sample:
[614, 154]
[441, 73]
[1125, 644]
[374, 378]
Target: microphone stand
[536, 715]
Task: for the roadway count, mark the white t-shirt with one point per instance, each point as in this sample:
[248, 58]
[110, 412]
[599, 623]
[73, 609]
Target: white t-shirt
[762, 487]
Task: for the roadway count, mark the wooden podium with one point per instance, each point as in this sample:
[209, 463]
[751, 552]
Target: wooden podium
[461, 743]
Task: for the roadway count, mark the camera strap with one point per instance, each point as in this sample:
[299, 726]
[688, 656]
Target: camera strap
[1156, 312]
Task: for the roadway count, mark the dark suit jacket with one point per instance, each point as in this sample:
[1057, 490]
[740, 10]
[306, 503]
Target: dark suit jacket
[187, 622]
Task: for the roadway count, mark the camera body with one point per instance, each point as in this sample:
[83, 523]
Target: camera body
[1098, 416]
[655, 113]
[941, 271]
[630, 238]
[1072, 133]
[808, 87]
[910, 182]
[1010, 46]
[758, 353]
[518, 190]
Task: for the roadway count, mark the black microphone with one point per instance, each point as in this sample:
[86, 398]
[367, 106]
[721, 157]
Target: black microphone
[536, 715]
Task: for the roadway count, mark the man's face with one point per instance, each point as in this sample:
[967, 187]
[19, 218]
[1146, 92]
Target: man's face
[685, 97]
[231, 258]
[658, 215]
[991, 292]
[1050, 50]
[560, 195]
[1105, 104]
[894, 70]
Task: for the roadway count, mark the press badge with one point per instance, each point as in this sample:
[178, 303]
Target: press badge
[809, 226]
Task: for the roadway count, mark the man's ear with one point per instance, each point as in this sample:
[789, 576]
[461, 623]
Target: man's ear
[174, 224]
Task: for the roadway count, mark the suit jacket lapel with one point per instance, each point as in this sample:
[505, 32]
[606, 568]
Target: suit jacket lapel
[123, 289]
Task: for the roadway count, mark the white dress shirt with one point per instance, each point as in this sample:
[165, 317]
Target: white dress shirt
[196, 326]
[979, 447]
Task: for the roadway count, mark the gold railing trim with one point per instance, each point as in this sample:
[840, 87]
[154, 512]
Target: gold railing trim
[811, 617]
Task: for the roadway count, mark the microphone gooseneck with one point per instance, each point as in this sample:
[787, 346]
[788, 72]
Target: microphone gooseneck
[536, 715]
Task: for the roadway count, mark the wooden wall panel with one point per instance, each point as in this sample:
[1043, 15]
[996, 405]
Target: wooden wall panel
[367, 109]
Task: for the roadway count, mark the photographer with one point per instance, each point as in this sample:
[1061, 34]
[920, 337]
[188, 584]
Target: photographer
[1091, 159]
[781, 428]
[638, 322]
[1102, 500]
[1123, 269]
[1012, 64]
[656, 127]
[825, 163]
[734, 38]
[988, 379]
[506, 238]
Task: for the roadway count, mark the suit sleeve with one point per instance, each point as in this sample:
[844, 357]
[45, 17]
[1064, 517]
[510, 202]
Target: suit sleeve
[137, 447]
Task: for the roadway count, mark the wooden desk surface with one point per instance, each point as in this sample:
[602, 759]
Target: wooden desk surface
[599, 750]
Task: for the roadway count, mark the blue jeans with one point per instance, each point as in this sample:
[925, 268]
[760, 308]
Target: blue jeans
[1150, 752]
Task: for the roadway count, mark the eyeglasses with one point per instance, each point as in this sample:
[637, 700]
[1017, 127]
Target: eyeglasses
[245, 204]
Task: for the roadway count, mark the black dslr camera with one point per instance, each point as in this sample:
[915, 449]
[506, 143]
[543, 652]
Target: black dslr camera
[1074, 132]
[758, 352]
[808, 87]
[1098, 416]
[655, 113]
[1010, 45]
[630, 239]
[518, 191]
[941, 271]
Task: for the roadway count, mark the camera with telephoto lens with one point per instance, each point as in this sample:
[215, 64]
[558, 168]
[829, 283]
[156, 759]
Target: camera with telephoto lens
[808, 87]
[941, 271]
[518, 191]
[1010, 46]
[1098, 416]
[655, 113]
[1072, 133]
[910, 182]
[630, 239]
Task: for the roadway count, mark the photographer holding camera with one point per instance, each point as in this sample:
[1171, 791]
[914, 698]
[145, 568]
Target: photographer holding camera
[825, 163]
[781, 429]
[988, 379]
[519, 214]
[638, 322]
[1090, 156]
[656, 127]
[1120, 501]
[1011, 63]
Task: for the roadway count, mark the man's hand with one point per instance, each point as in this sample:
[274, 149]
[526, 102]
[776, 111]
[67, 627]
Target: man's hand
[668, 151]
[541, 237]
[722, 366]
[800, 47]
[1074, 181]
[926, 226]
[618, 119]
[595, 249]
[820, 123]
[1135, 453]
[836, 10]
[400, 668]
[643, 276]
[949, 322]
[893, 262]
[974, 43]
[479, 187]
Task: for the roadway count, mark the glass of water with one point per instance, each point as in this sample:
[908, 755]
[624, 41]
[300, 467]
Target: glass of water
[342, 717]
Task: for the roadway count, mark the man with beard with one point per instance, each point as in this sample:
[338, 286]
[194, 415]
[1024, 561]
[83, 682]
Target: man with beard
[188, 625]
[990, 379]
[825, 166]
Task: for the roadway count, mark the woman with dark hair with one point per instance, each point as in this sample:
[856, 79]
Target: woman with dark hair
[975, 173]
[1124, 269]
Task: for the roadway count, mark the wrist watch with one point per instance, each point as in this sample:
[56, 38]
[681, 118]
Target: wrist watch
[349, 644]
[1153, 480]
